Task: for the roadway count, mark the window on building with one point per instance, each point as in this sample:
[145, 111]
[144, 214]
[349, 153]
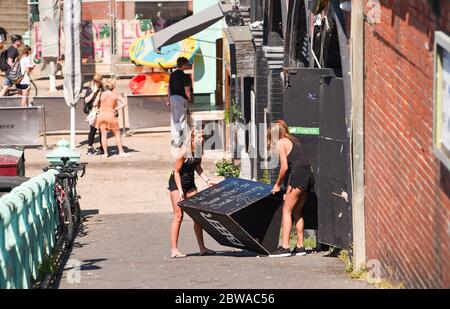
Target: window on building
[297, 38]
[34, 10]
[441, 128]
[162, 14]
[326, 44]
[273, 24]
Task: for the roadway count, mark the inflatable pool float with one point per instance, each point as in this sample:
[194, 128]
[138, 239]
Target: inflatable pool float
[150, 83]
[141, 52]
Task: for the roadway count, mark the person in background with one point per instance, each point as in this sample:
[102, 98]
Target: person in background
[11, 58]
[91, 95]
[296, 173]
[26, 65]
[182, 186]
[179, 94]
[107, 116]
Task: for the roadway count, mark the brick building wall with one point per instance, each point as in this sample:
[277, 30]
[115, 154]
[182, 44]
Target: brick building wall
[407, 189]
[96, 10]
[275, 94]
[15, 21]
[276, 105]
[127, 10]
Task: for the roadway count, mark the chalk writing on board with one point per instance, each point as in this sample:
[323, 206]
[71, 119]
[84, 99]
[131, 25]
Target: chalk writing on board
[231, 194]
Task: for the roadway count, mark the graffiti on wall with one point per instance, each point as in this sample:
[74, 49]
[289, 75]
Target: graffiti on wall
[96, 40]
[127, 32]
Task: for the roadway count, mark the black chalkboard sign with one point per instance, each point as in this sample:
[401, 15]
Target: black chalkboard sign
[238, 213]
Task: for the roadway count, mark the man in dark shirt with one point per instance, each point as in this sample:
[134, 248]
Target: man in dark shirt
[11, 57]
[179, 95]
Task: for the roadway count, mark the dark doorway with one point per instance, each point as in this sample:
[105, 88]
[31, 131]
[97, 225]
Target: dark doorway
[219, 72]
[315, 110]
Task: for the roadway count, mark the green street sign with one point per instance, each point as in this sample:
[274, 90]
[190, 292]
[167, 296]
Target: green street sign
[304, 131]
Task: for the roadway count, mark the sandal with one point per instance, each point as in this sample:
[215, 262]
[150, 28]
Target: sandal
[178, 256]
[207, 252]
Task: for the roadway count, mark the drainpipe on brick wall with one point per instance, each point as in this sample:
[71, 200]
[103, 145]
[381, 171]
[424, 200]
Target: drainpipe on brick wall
[357, 52]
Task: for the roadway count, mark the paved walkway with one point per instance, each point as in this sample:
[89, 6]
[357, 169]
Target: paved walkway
[131, 251]
[125, 242]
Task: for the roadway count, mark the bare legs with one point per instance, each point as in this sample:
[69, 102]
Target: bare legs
[198, 231]
[293, 205]
[104, 137]
[25, 95]
[118, 138]
[4, 90]
[176, 223]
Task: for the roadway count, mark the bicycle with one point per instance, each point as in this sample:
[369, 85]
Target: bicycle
[67, 197]
[14, 91]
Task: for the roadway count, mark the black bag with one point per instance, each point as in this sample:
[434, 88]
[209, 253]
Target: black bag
[87, 106]
[4, 66]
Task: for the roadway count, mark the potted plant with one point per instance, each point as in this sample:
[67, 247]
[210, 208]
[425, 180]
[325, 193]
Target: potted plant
[227, 169]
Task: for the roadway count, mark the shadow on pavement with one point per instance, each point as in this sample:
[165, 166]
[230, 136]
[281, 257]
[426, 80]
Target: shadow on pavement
[231, 253]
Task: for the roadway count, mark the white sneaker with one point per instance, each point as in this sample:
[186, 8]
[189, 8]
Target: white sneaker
[124, 154]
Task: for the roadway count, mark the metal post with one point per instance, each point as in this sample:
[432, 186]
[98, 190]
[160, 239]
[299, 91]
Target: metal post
[113, 38]
[45, 127]
[357, 57]
[72, 127]
[124, 134]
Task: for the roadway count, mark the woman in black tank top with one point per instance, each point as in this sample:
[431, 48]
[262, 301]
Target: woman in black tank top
[181, 186]
[296, 174]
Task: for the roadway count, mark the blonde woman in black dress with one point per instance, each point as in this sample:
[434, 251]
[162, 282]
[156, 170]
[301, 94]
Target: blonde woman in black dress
[182, 186]
[296, 174]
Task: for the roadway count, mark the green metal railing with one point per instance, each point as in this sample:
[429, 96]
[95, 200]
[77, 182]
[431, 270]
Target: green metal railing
[28, 223]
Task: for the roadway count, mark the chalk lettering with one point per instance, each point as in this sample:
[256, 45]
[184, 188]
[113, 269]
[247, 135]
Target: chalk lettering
[221, 229]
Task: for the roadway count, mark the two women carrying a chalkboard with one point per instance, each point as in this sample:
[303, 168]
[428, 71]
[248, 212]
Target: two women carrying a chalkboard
[182, 185]
[296, 174]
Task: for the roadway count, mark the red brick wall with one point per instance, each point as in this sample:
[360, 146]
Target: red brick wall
[407, 189]
[96, 10]
[102, 9]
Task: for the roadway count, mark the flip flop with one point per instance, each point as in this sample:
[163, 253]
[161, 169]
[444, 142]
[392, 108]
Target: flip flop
[178, 256]
[208, 252]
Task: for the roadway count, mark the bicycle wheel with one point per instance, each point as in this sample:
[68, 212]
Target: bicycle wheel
[67, 210]
[33, 89]
[76, 210]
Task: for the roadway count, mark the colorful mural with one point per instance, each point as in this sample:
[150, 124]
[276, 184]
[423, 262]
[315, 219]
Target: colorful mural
[127, 32]
[96, 42]
[96, 39]
[141, 52]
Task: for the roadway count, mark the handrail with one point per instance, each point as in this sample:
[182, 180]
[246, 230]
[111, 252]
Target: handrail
[28, 223]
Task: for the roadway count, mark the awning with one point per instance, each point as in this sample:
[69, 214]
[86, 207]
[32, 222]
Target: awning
[188, 26]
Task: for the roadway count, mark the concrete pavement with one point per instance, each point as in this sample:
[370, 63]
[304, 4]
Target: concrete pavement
[125, 242]
[132, 251]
